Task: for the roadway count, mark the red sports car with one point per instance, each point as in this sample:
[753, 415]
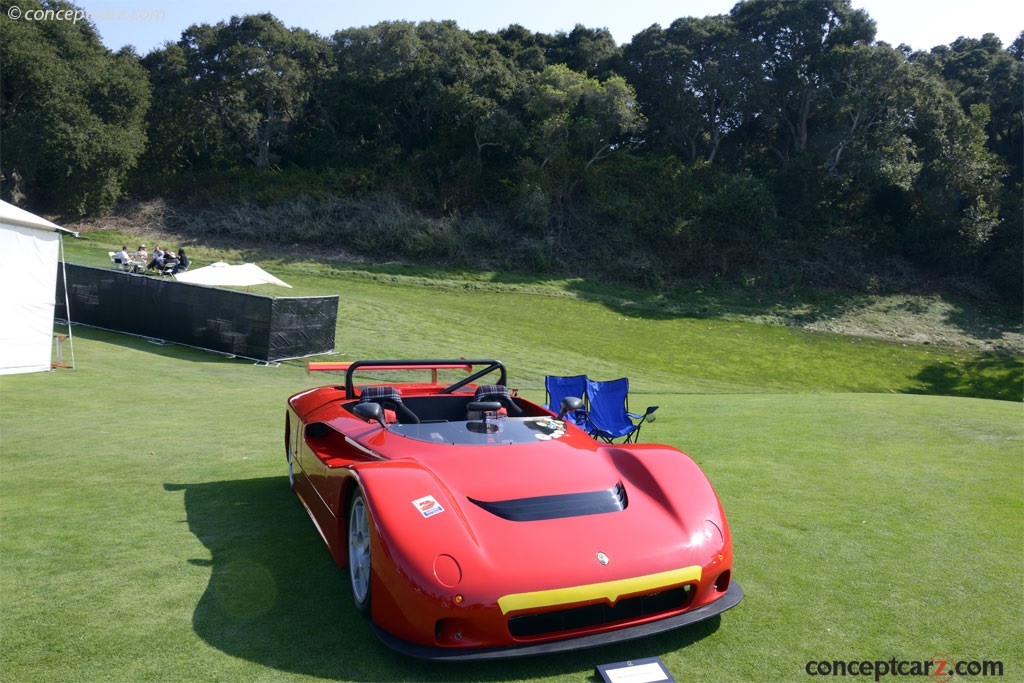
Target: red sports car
[478, 525]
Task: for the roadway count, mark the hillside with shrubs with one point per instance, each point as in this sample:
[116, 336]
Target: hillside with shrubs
[777, 146]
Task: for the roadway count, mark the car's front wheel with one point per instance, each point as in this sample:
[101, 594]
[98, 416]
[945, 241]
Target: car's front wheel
[359, 562]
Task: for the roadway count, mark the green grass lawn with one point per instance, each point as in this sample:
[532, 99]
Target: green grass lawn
[696, 342]
[147, 532]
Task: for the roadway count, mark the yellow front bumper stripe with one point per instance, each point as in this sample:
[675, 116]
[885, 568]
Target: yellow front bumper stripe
[608, 590]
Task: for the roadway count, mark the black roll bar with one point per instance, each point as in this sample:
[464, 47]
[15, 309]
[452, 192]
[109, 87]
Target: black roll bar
[461, 363]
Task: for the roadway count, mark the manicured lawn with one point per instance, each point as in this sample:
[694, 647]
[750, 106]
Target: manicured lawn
[147, 532]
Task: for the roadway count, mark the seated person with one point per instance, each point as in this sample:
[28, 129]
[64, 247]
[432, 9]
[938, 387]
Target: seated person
[123, 257]
[182, 264]
[141, 254]
[158, 259]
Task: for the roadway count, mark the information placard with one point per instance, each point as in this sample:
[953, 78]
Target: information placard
[650, 670]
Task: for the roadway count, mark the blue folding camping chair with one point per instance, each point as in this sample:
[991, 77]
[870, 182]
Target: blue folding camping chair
[608, 416]
[557, 387]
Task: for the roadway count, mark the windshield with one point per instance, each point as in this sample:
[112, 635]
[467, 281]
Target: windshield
[490, 432]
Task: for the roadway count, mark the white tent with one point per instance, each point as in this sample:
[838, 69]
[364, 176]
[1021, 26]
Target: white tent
[222, 274]
[30, 255]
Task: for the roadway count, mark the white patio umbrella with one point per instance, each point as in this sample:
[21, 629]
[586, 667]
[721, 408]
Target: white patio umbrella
[223, 274]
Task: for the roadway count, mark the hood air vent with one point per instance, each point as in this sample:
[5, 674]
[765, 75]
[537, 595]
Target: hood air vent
[558, 506]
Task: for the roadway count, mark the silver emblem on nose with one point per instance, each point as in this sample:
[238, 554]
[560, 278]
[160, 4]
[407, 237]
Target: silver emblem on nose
[602, 558]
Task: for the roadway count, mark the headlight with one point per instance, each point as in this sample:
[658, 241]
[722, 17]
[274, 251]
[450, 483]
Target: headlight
[447, 571]
[712, 535]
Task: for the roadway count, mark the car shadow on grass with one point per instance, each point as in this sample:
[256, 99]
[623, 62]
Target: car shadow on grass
[276, 598]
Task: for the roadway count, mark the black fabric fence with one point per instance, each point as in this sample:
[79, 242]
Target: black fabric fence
[261, 328]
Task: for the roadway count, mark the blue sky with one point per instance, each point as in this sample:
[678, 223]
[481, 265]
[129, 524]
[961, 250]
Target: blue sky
[147, 24]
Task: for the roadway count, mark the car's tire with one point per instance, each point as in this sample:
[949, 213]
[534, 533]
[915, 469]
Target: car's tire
[360, 567]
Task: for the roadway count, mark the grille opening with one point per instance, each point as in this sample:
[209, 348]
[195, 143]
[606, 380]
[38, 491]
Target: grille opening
[722, 582]
[589, 616]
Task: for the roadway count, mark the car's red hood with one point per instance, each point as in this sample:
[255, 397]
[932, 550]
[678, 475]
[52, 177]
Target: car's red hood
[655, 531]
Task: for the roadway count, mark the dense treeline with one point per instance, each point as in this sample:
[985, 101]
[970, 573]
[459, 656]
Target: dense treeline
[779, 143]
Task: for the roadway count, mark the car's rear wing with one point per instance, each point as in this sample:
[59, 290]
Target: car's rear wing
[433, 365]
[313, 366]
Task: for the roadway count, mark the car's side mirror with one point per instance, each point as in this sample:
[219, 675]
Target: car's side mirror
[569, 404]
[370, 411]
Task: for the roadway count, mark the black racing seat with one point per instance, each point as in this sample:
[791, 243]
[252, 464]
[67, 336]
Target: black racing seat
[389, 399]
[499, 393]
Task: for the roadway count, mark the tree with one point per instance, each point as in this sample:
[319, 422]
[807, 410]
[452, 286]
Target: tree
[575, 121]
[232, 94]
[954, 202]
[72, 114]
[524, 49]
[588, 51]
[391, 78]
[184, 133]
[431, 104]
[690, 84]
[255, 78]
[787, 42]
[979, 71]
[868, 117]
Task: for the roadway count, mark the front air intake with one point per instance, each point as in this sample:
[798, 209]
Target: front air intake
[589, 616]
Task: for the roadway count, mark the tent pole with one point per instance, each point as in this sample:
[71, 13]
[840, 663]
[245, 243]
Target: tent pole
[67, 303]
